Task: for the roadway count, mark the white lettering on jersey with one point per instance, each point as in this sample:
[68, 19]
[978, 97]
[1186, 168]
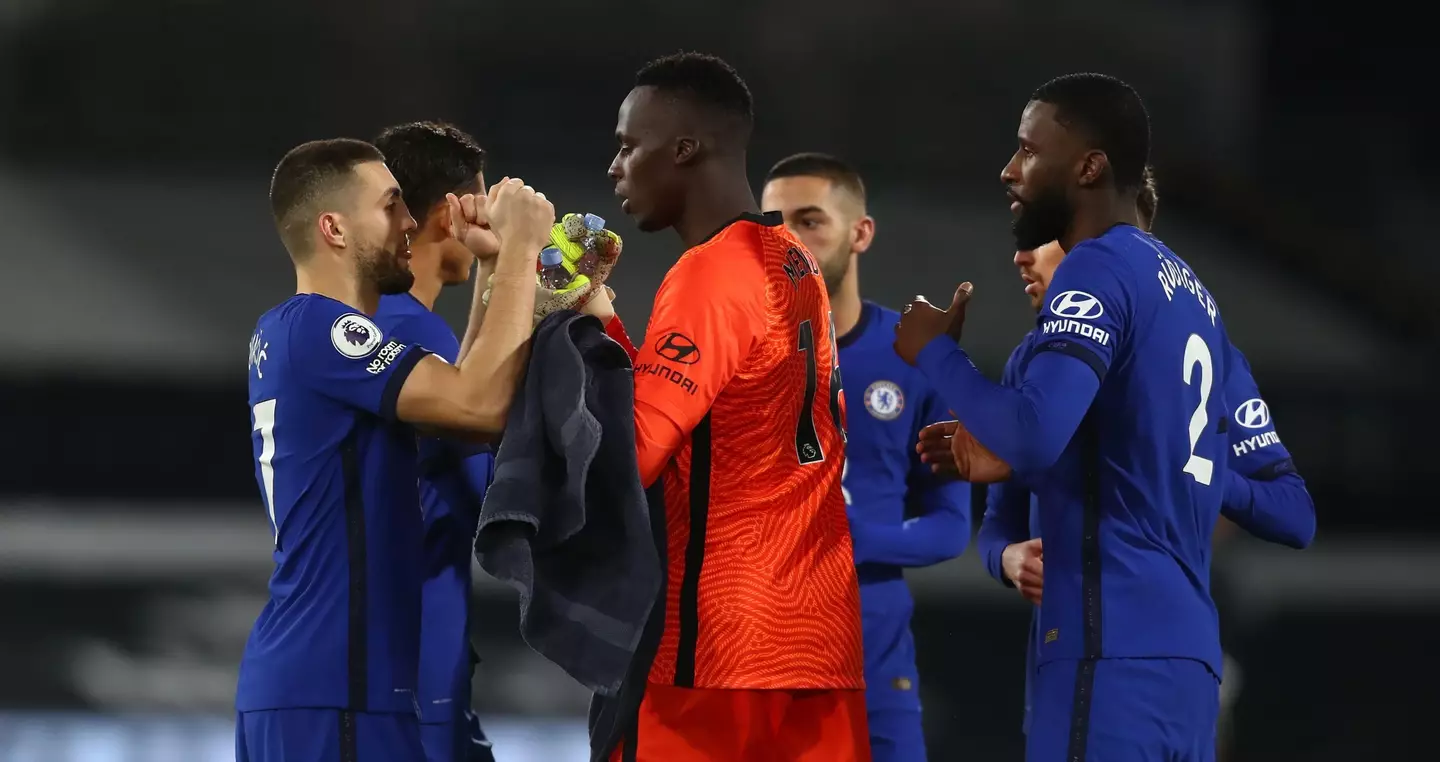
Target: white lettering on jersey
[257, 353]
[384, 357]
[1098, 335]
[1173, 277]
[1257, 442]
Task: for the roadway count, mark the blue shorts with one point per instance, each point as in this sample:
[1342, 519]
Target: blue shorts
[1123, 710]
[326, 735]
[458, 741]
[896, 735]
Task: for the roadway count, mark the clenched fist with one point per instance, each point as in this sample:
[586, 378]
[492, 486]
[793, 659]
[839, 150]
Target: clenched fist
[470, 224]
[517, 213]
[1024, 565]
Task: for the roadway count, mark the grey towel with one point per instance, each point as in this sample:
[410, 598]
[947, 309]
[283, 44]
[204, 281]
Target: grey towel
[566, 521]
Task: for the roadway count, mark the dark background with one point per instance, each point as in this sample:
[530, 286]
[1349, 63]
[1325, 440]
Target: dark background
[136, 143]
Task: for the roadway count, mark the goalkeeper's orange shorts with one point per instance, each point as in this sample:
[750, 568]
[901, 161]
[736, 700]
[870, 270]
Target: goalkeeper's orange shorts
[718, 725]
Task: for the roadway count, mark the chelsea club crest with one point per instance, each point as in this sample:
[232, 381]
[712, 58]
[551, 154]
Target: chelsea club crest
[884, 400]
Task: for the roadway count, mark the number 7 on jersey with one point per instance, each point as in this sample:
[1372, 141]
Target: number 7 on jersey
[264, 413]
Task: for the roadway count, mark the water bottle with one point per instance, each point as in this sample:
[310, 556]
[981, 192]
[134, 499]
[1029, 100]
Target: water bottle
[553, 274]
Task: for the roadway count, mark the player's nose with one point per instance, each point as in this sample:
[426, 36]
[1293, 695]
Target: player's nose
[1024, 258]
[1010, 173]
[615, 172]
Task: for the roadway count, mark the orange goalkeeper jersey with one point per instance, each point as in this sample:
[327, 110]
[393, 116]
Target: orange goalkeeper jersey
[739, 410]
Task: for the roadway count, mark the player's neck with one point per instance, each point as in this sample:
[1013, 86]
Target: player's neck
[343, 287]
[1103, 210]
[845, 304]
[713, 203]
[425, 264]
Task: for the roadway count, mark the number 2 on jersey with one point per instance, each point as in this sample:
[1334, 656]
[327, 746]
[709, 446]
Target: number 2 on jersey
[807, 438]
[265, 426]
[1198, 353]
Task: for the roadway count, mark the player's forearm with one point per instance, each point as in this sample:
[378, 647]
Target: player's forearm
[1028, 427]
[500, 351]
[1279, 511]
[922, 541]
[656, 440]
[483, 270]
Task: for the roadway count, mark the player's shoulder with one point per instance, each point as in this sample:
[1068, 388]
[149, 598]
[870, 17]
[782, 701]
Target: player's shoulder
[746, 236]
[395, 308]
[311, 320]
[405, 319]
[884, 316]
[1020, 353]
[1118, 250]
[730, 258]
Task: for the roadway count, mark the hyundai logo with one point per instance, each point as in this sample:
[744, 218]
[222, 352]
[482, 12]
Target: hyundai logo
[1253, 414]
[1077, 305]
[677, 347]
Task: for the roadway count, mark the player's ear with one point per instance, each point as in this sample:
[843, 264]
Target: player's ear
[332, 229]
[862, 234]
[1092, 168]
[440, 220]
[687, 149]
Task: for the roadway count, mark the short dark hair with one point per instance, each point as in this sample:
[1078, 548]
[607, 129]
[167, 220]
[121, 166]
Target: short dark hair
[1149, 198]
[429, 160]
[306, 178]
[1111, 116]
[812, 164]
[707, 80]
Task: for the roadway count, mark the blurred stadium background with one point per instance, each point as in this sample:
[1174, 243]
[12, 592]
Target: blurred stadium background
[136, 142]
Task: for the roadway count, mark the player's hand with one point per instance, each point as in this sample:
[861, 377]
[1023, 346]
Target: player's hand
[973, 461]
[922, 322]
[1024, 565]
[601, 305]
[934, 448]
[518, 213]
[470, 224]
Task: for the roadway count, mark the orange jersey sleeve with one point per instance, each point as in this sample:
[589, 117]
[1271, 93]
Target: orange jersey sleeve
[739, 413]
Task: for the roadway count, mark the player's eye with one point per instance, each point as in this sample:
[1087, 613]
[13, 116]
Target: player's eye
[810, 224]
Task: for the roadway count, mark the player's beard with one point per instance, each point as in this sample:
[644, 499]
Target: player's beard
[1042, 219]
[834, 269]
[384, 268]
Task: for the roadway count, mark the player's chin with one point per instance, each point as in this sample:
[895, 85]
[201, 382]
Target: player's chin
[650, 223]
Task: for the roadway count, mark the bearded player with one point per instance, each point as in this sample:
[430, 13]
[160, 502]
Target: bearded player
[901, 515]
[329, 670]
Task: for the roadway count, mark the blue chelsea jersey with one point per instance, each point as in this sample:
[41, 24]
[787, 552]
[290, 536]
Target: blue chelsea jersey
[453, 479]
[1127, 512]
[337, 476]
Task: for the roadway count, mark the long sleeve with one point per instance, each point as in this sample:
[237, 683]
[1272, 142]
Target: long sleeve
[1264, 494]
[939, 534]
[940, 530]
[656, 436]
[708, 316]
[1029, 424]
[1006, 522]
[1278, 510]
[1027, 427]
